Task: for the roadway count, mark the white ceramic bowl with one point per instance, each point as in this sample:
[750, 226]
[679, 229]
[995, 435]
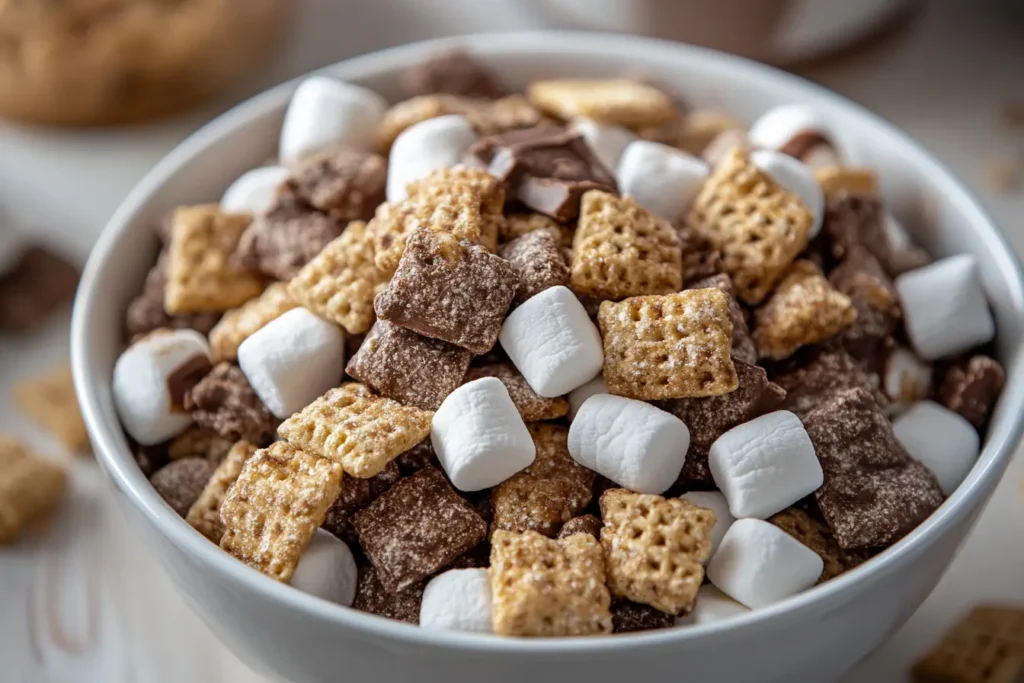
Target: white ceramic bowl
[278, 630]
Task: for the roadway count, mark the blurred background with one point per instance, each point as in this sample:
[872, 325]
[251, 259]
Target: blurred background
[94, 92]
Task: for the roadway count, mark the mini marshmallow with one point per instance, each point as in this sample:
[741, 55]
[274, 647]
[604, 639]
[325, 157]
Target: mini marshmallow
[759, 564]
[578, 396]
[796, 178]
[606, 140]
[293, 360]
[458, 600]
[144, 378]
[716, 502]
[327, 569]
[479, 437]
[712, 605]
[424, 147]
[765, 465]
[325, 112]
[662, 179]
[779, 127]
[905, 380]
[944, 307]
[631, 442]
[942, 440]
[253, 191]
[553, 342]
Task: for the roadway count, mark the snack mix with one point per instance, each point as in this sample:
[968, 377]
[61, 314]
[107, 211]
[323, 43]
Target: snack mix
[530, 364]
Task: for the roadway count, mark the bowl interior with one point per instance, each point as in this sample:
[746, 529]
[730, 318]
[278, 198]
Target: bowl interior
[934, 206]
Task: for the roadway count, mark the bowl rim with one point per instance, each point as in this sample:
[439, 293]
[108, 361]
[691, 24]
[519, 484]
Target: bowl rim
[125, 476]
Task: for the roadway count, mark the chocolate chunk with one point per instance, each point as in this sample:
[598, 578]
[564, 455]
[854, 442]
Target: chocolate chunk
[183, 378]
[454, 72]
[282, 240]
[408, 367]
[181, 481]
[416, 458]
[803, 143]
[224, 403]
[584, 524]
[547, 168]
[971, 387]
[851, 220]
[817, 373]
[630, 617]
[342, 183]
[874, 493]
[372, 597]
[149, 458]
[416, 528]
[701, 260]
[146, 311]
[355, 494]
[860, 276]
[742, 344]
[539, 262]
[38, 284]
[709, 418]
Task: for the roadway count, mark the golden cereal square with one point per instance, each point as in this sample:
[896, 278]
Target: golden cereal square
[519, 224]
[50, 401]
[668, 346]
[835, 180]
[31, 488]
[620, 101]
[201, 277]
[804, 309]
[352, 426]
[340, 282]
[621, 250]
[655, 548]
[542, 587]
[204, 515]
[238, 324]
[758, 227]
[986, 646]
[276, 505]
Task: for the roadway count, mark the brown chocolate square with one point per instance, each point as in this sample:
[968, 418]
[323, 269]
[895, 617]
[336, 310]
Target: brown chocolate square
[39, 284]
[372, 597]
[861, 277]
[345, 184]
[971, 387]
[355, 494]
[224, 403]
[455, 72]
[538, 260]
[630, 617]
[819, 372]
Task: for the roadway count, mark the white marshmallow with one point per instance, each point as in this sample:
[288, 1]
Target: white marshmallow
[942, 440]
[458, 600]
[895, 232]
[578, 396]
[327, 569]
[796, 178]
[293, 360]
[712, 605]
[723, 143]
[716, 502]
[553, 342]
[778, 126]
[424, 147]
[765, 465]
[140, 384]
[631, 442]
[325, 112]
[944, 307]
[759, 564]
[253, 191]
[906, 379]
[606, 140]
[479, 437]
[662, 179]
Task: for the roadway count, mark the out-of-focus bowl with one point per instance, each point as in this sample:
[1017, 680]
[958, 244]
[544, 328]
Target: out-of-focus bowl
[813, 636]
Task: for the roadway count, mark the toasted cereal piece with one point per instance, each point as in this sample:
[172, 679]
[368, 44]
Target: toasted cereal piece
[758, 226]
[544, 587]
[351, 426]
[200, 443]
[546, 494]
[532, 406]
[449, 200]
[986, 646]
[276, 505]
[669, 345]
[201, 277]
[622, 250]
[655, 548]
[818, 537]
[621, 101]
[511, 112]
[519, 224]
[49, 399]
[30, 489]
[237, 324]
[695, 130]
[805, 309]
[836, 180]
[742, 345]
[340, 282]
[204, 515]
[417, 527]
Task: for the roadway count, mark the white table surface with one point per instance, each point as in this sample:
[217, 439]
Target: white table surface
[87, 603]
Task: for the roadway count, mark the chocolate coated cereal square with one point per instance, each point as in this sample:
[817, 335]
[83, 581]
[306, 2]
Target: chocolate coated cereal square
[539, 262]
[532, 406]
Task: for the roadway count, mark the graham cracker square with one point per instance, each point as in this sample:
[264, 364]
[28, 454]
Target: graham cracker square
[625, 102]
[31, 488]
[240, 323]
[50, 400]
[986, 646]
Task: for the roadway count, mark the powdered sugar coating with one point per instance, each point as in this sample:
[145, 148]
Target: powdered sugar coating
[539, 262]
[811, 377]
